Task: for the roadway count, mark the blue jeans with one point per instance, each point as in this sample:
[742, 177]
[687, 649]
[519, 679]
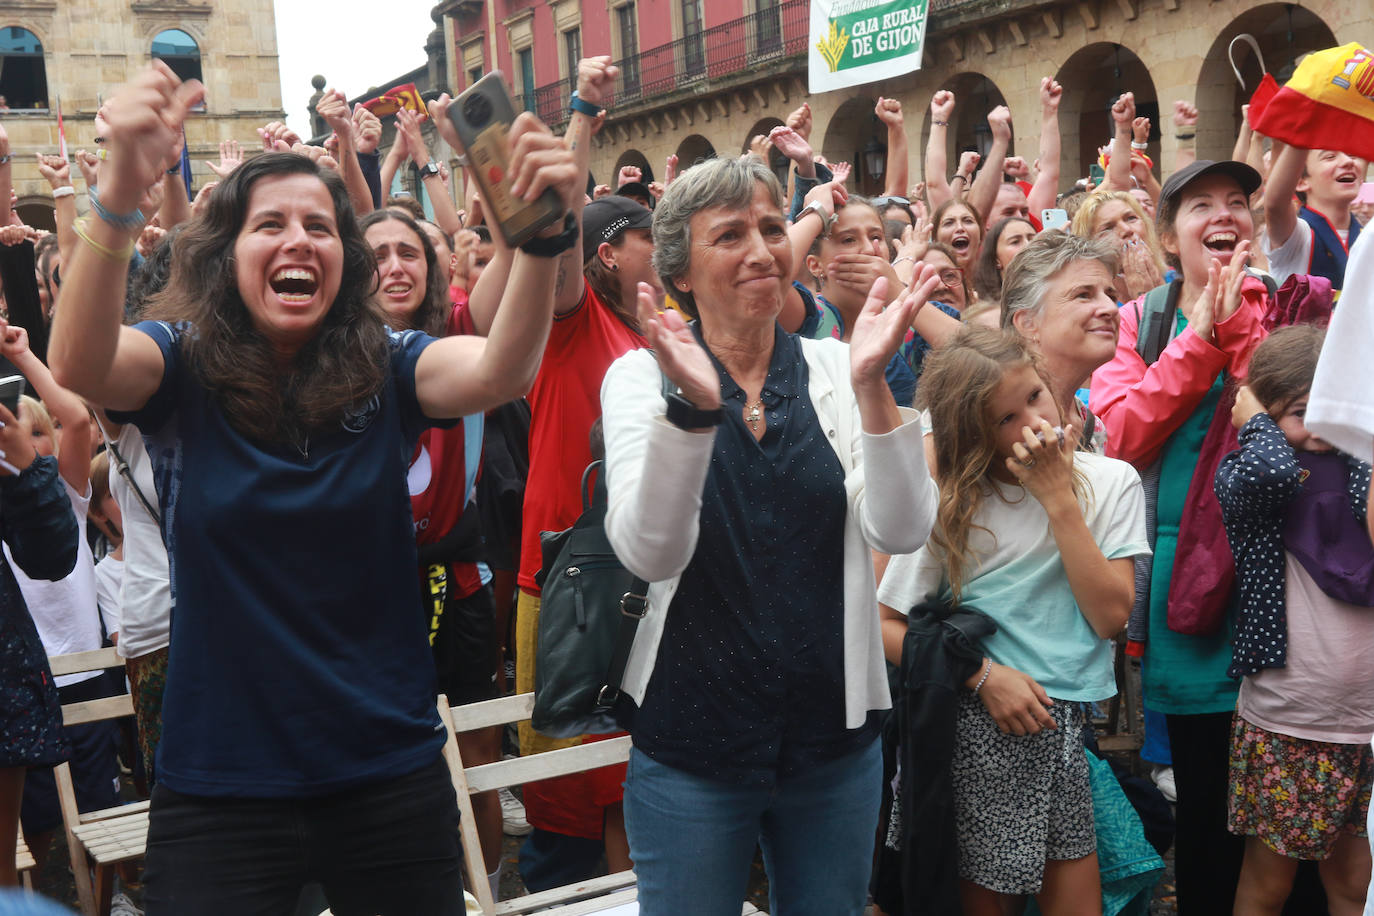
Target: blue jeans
[692, 839]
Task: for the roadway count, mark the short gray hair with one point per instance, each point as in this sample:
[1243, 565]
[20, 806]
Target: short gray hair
[1028, 276]
[728, 182]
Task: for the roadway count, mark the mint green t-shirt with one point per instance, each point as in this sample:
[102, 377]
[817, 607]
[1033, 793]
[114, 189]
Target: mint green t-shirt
[1019, 580]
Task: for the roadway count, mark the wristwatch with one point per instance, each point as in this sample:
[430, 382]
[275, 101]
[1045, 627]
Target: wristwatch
[429, 170]
[683, 414]
[827, 219]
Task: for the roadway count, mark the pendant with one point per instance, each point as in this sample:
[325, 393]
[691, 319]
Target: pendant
[755, 414]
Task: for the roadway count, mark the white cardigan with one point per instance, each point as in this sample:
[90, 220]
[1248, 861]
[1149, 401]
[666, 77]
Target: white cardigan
[655, 474]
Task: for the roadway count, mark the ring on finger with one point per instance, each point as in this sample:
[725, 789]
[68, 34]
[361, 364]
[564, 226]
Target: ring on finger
[1028, 462]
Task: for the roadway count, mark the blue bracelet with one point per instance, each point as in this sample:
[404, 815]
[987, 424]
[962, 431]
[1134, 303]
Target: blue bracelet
[134, 220]
[582, 105]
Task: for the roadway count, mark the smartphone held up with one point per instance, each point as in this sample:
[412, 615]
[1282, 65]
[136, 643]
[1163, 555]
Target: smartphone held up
[482, 115]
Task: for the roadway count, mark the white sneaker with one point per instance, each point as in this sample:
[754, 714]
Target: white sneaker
[1163, 778]
[121, 905]
[513, 821]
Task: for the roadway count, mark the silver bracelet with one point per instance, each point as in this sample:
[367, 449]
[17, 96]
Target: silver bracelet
[984, 679]
[905, 257]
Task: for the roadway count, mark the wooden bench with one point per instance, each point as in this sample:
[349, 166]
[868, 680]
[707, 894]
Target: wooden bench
[597, 895]
[97, 840]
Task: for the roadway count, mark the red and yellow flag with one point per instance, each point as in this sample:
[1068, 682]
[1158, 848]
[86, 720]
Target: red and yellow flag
[1328, 103]
[393, 100]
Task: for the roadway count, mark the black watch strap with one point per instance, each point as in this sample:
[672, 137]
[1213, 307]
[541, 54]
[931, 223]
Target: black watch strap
[555, 245]
[429, 169]
[683, 414]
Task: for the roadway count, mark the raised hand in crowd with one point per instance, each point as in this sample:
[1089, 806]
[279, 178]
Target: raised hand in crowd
[318, 154]
[151, 237]
[682, 359]
[277, 137]
[1045, 189]
[409, 127]
[1118, 176]
[911, 248]
[879, 331]
[202, 200]
[1017, 168]
[367, 129]
[333, 108]
[230, 158]
[759, 145]
[670, 169]
[1185, 132]
[889, 111]
[983, 192]
[794, 146]
[656, 188]
[969, 160]
[628, 173]
[1140, 130]
[828, 198]
[89, 164]
[57, 171]
[840, 171]
[937, 156]
[601, 190]
[1139, 270]
[801, 121]
[1221, 296]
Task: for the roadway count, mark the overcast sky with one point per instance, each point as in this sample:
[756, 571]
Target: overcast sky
[353, 44]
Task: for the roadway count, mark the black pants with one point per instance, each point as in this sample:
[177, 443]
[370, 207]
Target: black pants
[390, 849]
[1207, 856]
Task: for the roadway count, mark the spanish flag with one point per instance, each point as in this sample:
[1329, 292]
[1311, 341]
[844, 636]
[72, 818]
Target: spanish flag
[393, 100]
[1328, 104]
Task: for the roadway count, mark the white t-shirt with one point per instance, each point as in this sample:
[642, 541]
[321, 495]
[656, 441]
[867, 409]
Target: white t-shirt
[1341, 406]
[109, 573]
[64, 611]
[1018, 580]
[1293, 256]
[145, 602]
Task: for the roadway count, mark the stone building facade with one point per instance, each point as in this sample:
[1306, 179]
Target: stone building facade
[711, 82]
[79, 51]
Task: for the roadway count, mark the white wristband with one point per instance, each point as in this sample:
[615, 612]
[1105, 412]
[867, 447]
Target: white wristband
[65, 190]
[1136, 144]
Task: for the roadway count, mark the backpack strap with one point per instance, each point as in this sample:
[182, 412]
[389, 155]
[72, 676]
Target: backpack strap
[1155, 322]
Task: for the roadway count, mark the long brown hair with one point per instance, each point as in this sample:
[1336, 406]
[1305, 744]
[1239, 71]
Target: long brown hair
[432, 314]
[343, 365]
[957, 385]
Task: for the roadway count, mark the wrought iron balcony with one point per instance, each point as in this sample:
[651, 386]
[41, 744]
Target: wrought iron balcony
[770, 34]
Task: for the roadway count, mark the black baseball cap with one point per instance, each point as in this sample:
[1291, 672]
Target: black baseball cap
[1245, 176]
[636, 189]
[604, 220]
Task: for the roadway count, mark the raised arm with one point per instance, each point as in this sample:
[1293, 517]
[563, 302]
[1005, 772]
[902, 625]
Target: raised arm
[1044, 192]
[595, 77]
[461, 375]
[984, 190]
[445, 213]
[176, 206]
[395, 158]
[90, 352]
[333, 107]
[1119, 168]
[73, 462]
[889, 111]
[1185, 132]
[1280, 216]
[58, 173]
[937, 157]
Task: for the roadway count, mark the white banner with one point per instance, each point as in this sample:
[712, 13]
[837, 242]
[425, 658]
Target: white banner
[860, 41]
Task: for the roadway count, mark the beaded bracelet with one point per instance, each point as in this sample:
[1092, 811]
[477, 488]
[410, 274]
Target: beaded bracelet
[120, 255]
[984, 679]
[939, 123]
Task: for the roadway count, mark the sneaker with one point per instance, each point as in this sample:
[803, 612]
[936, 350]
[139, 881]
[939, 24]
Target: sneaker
[121, 905]
[1163, 778]
[513, 821]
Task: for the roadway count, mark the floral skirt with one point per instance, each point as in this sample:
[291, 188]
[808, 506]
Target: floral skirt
[1296, 795]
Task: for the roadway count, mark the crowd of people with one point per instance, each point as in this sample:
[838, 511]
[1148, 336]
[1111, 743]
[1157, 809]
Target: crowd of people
[907, 474]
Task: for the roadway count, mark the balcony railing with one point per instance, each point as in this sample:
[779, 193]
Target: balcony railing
[771, 33]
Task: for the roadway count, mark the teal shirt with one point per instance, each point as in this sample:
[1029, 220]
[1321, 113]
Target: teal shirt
[1183, 675]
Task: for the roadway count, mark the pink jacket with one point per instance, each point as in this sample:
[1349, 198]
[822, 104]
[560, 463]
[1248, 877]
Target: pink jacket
[1140, 406]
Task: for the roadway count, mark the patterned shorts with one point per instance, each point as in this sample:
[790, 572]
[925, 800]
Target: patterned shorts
[1020, 801]
[1298, 796]
[147, 681]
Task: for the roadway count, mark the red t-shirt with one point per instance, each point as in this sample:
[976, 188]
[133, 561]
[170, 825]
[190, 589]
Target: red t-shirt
[564, 403]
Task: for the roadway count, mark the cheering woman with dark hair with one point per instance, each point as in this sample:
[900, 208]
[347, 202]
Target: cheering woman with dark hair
[299, 728]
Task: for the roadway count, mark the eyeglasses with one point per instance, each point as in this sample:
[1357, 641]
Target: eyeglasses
[952, 276]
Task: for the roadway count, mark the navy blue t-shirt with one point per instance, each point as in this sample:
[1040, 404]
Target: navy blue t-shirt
[299, 661]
